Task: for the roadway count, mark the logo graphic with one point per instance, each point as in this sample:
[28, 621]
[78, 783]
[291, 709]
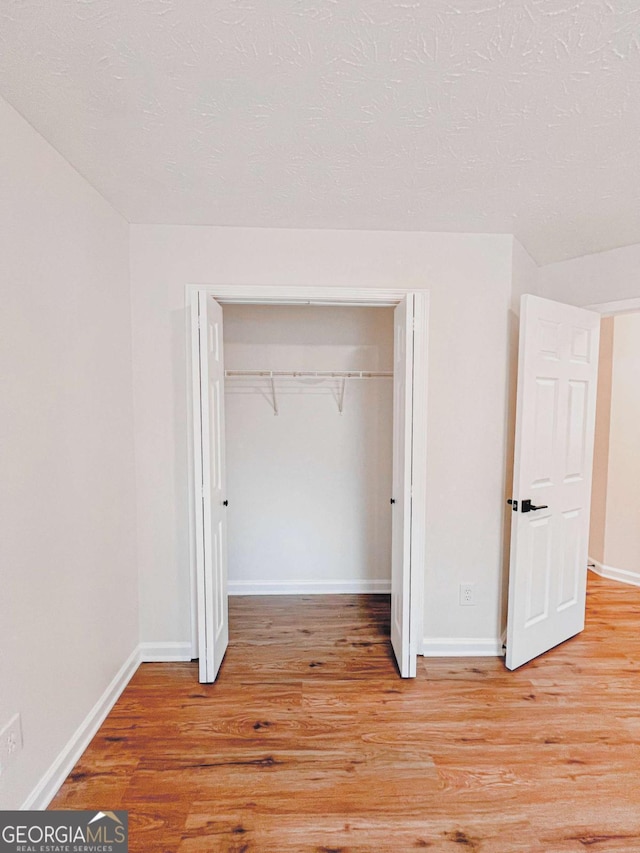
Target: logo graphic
[111, 815]
[64, 832]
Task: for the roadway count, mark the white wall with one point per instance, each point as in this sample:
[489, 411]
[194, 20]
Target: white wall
[525, 275]
[593, 279]
[309, 488]
[68, 596]
[469, 276]
[524, 279]
[622, 526]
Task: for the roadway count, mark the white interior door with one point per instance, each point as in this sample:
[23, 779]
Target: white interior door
[210, 484]
[555, 424]
[401, 639]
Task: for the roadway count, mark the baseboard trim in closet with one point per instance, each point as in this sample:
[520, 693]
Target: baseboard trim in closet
[614, 574]
[165, 652]
[309, 588]
[462, 647]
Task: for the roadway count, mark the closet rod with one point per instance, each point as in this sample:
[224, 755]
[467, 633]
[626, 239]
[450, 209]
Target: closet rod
[320, 374]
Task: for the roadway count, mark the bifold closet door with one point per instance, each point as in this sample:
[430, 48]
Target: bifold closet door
[403, 347]
[210, 485]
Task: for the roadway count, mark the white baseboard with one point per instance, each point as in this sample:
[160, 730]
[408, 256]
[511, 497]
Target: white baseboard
[165, 652]
[48, 786]
[622, 575]
[309, 588]
[461, 647]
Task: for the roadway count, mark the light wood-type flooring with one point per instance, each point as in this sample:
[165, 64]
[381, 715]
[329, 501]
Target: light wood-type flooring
[310, 741]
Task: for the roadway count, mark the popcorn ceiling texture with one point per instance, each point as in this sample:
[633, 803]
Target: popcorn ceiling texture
[520, 116]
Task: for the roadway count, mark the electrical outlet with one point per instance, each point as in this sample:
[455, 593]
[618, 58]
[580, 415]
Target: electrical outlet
[10, 742]
[467, 594]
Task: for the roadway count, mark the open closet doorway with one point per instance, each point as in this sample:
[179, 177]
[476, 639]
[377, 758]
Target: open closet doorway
[308, 413]
[406, 501]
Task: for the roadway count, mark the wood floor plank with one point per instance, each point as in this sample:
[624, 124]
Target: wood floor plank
[310, 741]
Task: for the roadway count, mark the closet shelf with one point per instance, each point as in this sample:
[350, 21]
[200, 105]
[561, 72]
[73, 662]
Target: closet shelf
[271, 375]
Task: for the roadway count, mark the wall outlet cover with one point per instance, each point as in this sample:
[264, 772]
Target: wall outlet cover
[467, 594]
[10, 742]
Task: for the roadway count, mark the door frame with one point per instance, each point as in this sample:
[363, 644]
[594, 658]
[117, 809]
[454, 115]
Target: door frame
[336, 297]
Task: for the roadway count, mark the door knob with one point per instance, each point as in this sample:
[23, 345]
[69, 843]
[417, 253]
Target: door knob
[225, 503]
[527, 506]
[392, 501]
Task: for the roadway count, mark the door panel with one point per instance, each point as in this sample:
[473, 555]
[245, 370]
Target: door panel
[401, 506]
[213, 628]
[555, 425]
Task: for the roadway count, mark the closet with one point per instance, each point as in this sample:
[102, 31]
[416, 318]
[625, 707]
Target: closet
[324, 445]
[308, 413]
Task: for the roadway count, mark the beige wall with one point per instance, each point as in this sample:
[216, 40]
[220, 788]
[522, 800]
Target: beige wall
[622, 531]
[615, 511]
[469, 277]
[601, 443]
[68, 598]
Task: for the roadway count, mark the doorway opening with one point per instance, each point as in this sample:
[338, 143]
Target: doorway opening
[614, 542]
[308, 412]
[274, 529]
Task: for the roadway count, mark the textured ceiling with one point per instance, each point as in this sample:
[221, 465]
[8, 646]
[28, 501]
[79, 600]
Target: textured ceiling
[519, 116]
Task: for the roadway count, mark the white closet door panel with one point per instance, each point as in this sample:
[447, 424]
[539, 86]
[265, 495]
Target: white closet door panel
[401, 498]
[211, 516]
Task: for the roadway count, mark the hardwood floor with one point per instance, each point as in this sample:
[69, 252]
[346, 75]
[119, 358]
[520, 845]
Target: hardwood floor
[310, 741]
